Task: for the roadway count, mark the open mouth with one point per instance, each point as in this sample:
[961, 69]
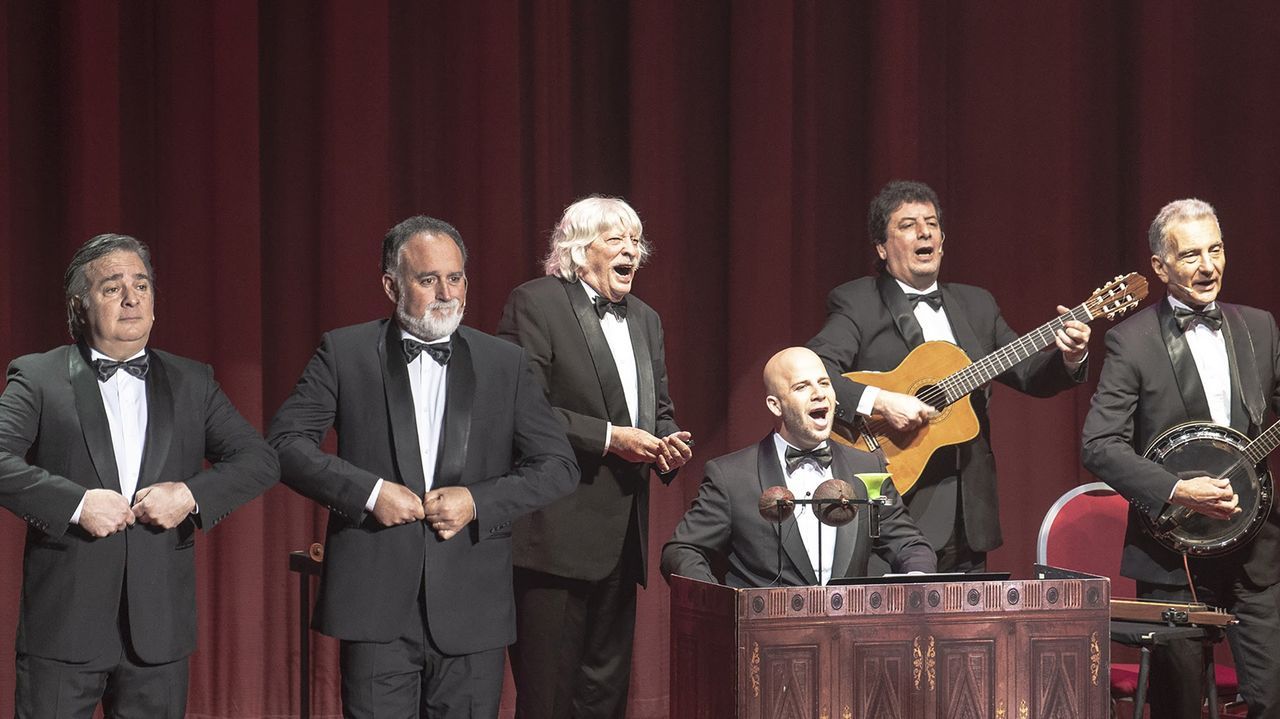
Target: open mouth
[924, 252]
[624, 270]
[820, 414]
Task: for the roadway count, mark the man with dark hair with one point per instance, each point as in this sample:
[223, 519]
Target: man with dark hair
[102, 446]
[444, 438]
[723, 527]
[1191, 358]
[874, 322]
[598, 350]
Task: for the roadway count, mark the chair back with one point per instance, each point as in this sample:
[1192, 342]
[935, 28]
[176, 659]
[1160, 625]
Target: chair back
[1084, 531]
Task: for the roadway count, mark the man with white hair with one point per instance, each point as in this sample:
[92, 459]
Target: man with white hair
[599, 352]
[444, 437]
[1191, 358]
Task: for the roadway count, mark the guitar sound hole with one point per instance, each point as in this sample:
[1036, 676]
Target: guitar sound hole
[930, 395]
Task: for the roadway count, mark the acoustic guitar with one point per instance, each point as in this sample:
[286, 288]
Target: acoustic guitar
[942, 376]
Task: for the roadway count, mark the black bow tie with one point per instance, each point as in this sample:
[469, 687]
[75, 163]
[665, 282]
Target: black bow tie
[439, 351]
[934, 299]
[1212, 318]
[604, 306]
[820, 455]
[106, 368]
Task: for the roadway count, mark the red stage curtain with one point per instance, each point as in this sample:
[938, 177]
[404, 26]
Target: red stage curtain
[263, 148]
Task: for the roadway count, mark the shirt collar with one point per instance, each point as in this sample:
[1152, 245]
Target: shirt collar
[407, 335]
[95, 354]
[1176, 303]
[909, 290]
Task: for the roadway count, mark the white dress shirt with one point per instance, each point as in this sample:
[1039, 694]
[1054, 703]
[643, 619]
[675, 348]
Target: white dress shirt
[802, 483]
[1209, 348]
[124, 397]
[428, 380]
[933, 325]
[618, 335]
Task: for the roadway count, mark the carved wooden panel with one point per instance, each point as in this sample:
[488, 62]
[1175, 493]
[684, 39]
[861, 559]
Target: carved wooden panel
[1013, 649]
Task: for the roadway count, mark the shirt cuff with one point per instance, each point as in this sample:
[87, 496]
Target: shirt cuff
[608, 437]
[373, 496]
[867, 404]
[1073, 367]
[75, 516]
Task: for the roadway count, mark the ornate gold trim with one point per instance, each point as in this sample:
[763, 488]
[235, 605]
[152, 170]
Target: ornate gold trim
[1095, 658]
[917, 661]
[930, 664]
[1000, 711]
[755, 669]
[1023, 710]
[846, 714]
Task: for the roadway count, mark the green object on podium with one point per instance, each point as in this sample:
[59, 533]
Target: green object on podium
[873, 480]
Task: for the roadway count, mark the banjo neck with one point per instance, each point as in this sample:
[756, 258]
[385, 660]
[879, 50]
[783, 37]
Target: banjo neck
[1263, 445]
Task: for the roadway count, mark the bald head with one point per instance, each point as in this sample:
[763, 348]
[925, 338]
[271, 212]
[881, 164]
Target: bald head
[800, 396]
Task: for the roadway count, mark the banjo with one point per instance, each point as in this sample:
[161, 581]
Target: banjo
[1203, 449]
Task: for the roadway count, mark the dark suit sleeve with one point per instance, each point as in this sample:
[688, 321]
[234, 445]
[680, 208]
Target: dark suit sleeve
[901, 544]
[524, 323]
[703, 533]
[545, 468]
[838, 344]
[1107, 444]
[42, 499]
[242, 465]
[297, 431]
[1273, 346]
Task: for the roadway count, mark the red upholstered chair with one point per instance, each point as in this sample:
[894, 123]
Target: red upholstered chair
[1084, 531]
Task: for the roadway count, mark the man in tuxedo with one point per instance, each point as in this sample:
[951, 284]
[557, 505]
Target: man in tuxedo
[1191, 358]
[724, 527]
[444, 438]
[874, 322]
[102, 451]
[598, 351]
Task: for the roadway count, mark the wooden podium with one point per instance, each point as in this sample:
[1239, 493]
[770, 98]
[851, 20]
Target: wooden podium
[1013, 649]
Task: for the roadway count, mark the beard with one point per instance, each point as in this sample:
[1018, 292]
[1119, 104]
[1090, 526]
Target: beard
[431, 326]
[797, 423]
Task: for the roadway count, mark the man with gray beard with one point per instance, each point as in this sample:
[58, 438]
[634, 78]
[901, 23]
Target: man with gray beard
[444, 437]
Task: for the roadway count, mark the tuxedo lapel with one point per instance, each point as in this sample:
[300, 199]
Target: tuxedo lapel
[895, 302]
[1184, 364]
[93, 417]
[459, 399]
[1247, 408]
[615, 401]
[400, 412]
[770, 473]
[966, 338]
[644, 375]
[160, 412]
[847, 536]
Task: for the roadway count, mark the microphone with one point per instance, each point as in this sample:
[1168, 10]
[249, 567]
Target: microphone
[777, 504]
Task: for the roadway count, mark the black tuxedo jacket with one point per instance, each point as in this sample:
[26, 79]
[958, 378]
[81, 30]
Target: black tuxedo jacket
[499, 440]
[1150, 384]
[724, 534]
[581, 536]
[870, 326]
[55, 444]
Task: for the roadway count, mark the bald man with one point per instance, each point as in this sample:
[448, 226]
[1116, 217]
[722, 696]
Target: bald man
[723, 527]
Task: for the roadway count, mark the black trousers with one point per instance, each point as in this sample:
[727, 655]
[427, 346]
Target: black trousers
[126, 686]
[572, 656]
[410, 677]
[1176, 687]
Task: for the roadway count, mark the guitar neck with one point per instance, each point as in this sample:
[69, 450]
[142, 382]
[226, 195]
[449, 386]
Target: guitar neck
[1263, 445]
[988, 368]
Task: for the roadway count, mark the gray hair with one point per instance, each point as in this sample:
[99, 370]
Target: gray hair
[416, 225]
[581, 224]
[1174, 212]
[75, 282]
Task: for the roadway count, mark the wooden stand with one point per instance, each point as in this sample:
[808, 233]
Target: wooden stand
[1013, 649]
